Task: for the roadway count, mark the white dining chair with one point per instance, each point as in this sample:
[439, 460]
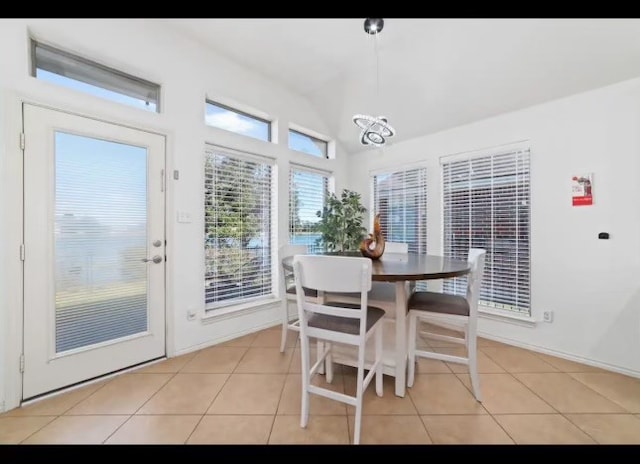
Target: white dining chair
[288, 292]
[449, 311]
[337, 323]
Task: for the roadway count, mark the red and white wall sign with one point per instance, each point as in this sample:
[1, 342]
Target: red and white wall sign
[582, 190]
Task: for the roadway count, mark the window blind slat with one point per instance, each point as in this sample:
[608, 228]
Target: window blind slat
[486, 205]
[308, 193]
[238, 233]
[401, 199]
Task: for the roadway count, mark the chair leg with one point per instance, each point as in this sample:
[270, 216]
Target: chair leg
[472, 353]
[379, 359]
[328, 364]
[305, 355]
[285, 326]
[413, 318]
[359, 394]
[319, 351]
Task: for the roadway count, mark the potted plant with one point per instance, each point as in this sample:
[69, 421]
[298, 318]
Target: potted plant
[341, 223]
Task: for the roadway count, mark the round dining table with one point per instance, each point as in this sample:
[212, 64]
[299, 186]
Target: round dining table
[401, 268]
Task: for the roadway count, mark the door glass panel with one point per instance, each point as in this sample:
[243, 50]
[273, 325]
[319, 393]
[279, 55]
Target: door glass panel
[100, 241]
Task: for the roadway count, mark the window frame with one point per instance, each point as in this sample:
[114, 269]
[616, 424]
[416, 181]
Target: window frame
[34, 43]
[268, 122]
[314, 137]
[330, 188]
[496, 309]
[212, 310]
[401, 169]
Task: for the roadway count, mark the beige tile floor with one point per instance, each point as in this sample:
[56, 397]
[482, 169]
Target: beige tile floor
[246, 392]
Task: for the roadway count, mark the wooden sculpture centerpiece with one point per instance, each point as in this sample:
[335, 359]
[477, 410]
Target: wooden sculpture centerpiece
[373, 246]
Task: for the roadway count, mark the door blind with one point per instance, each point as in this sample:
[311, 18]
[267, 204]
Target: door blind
[401, 199]
[486, 205]
[100, 241]
[307, 196]
[238, 228]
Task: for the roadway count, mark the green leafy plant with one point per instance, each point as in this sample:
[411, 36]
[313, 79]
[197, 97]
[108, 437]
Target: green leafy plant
[341, 223]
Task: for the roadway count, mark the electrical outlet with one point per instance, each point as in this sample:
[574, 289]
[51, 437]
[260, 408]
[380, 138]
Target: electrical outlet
[547, 316]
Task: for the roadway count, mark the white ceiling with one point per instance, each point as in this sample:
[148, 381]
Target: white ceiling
[434, 73]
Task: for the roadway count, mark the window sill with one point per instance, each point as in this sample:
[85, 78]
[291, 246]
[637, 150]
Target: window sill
[504, 316]
[228, 312]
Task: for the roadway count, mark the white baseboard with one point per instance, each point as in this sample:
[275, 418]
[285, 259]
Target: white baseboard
[563, 355]
[217, 341]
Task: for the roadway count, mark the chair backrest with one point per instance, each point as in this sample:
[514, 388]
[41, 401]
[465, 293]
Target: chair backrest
[286, 275]
[476, 258]
[336, 274]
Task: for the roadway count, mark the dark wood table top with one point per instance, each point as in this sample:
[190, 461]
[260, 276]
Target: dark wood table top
[413, 266]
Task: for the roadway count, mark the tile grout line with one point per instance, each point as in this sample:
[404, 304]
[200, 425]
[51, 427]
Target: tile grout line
[598, 393]
[57, 416]
[140, 407]
[216, 395]
[214, 399]
[36, 431]
[581, 429]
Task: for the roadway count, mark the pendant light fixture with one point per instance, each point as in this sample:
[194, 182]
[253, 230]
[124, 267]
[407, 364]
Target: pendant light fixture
[375, 130]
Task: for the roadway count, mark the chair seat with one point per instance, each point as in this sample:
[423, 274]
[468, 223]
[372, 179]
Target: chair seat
[291, 290]
[443, 303]
[343, 324]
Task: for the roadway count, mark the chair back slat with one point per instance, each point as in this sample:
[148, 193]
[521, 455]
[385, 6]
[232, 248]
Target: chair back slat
[335, 274]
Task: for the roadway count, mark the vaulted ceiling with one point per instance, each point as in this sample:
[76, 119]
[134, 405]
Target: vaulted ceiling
[434, 74]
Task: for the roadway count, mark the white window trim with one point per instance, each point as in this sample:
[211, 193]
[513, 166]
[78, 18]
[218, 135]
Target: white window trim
[119, 70]
[245, 111]
[228, 312]
[391, 170]
[211, 311]
[331, 144]
[487, 151]
[484, 311]
[331, 187]
[506, 316]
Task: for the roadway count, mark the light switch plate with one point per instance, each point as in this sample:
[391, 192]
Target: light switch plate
[183, 216]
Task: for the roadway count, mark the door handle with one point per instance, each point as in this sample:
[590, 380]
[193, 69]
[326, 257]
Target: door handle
[156, 259]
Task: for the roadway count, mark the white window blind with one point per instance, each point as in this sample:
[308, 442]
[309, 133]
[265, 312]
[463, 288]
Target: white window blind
[401, 199]
[238, 228]
[486, 205]
[307, 195]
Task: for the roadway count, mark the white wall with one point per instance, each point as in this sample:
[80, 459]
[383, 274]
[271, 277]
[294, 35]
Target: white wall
[187, 72]
[593, 286]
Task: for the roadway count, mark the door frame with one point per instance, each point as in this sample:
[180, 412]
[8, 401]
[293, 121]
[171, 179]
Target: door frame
[11, 377]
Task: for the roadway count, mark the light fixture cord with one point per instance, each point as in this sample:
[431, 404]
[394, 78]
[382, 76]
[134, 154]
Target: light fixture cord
[377, 52]
[377, 103]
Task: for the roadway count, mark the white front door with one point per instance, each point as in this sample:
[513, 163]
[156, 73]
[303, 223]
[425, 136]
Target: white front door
[94, 240]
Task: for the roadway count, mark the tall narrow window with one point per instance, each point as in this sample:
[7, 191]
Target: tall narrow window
[226, 118]
[307, 196]
[486, 205]
[63, 68]
[238, 228]
[401, 199]
[308, 144]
